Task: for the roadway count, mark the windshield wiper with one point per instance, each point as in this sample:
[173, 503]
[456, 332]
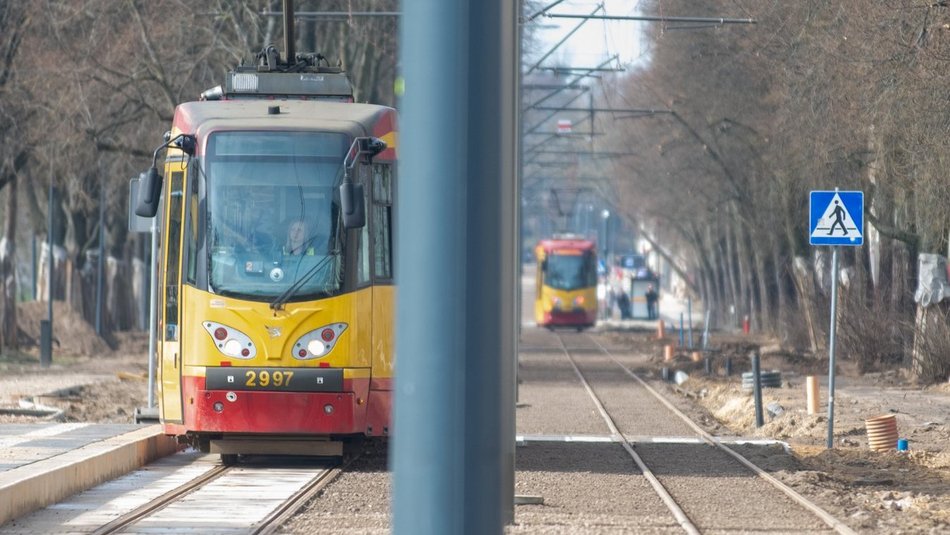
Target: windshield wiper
[278, 303]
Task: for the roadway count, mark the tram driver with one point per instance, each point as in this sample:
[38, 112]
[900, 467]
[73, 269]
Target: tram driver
[297, 243]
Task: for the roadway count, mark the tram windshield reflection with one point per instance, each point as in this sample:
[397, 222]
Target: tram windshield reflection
[272, 215]
[570, 271]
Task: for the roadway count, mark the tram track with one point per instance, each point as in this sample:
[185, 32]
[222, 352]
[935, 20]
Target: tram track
[267, 521]
[676, 506]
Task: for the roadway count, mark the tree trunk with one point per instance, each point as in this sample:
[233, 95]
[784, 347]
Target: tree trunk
[783, 296]
[8, 325]
[744, 271]
[808, 297]
[719, 277]
[765, 296]
[731, 273]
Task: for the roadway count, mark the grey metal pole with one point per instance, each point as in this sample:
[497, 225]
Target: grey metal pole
[35, 273]
[101, 266]
[452, 455]
[706, 331]
[52, 258]
[831, 348]
[681, 330]
[689, 314]
[757, 390]
[152, 326]
[146, 280]
[46, 329]
[289, 39]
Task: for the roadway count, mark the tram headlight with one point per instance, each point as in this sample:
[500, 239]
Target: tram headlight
[318, 342]
[230, 341]
[556, 303]
[579, 301]
[316, 347]
[232, 347]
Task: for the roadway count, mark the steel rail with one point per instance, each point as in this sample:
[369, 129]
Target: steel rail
[617, 436]
[272, 522]
[160, 502]
[826, 517]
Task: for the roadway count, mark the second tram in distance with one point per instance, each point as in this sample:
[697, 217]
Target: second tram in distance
[566, 283]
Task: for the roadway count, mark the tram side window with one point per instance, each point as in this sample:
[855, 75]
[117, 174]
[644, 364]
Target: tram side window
[382, 220]
[539, 278]
[362, 269]
[590, 269]
[172, 256]
[191, 228]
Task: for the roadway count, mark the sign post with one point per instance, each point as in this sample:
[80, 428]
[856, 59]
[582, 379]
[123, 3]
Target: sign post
[836, 218]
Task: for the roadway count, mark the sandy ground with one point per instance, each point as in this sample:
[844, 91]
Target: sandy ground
[877, 492]
[88, 380]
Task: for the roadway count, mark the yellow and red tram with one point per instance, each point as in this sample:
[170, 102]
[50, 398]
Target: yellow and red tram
[276, 296]
[566, 283]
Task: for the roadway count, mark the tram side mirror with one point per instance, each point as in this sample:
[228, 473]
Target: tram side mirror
[150, 189]
[352, 205]
[371, 146]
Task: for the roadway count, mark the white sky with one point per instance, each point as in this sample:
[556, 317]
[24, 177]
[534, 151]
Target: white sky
[595, 41]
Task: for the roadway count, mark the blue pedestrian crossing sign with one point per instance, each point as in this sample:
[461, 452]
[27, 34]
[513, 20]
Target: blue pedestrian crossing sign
[836, 218]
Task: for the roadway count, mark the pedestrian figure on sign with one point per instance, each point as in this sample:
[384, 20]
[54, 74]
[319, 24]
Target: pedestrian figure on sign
[838, 214]
[652, 298]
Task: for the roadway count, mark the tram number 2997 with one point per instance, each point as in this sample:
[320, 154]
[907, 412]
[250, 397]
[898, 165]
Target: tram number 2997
[288, 379]
[262, 378]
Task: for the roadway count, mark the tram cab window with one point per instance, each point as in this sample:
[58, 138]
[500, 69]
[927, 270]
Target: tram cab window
[261, 188]
[570, 271]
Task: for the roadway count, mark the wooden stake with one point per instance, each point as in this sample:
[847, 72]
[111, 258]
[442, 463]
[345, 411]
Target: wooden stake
[811, 393]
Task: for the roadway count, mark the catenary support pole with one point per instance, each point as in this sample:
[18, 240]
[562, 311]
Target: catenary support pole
[831, 348]
[46, 329]
[682, 344]
[152, 325]
[100, 266]
[706, 331]
[36, 293]
[453, 444]
[757, 390]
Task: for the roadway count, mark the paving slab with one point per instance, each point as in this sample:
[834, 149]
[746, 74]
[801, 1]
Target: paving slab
[43, 463]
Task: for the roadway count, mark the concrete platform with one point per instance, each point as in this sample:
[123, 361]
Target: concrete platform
[41, 464]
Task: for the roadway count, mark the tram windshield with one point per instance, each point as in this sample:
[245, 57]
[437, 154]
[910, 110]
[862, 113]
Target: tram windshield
[570, 271]
[272, 218]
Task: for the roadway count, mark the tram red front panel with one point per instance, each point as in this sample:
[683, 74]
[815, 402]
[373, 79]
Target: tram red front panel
[574, 317]
[276, 412]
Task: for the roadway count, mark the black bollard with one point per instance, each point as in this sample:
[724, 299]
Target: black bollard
[728, 366]
[707, 363]
[46, 343]
[665, 374]
[757, 390]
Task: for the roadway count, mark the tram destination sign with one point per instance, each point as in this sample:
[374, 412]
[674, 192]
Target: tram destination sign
[281, 379]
